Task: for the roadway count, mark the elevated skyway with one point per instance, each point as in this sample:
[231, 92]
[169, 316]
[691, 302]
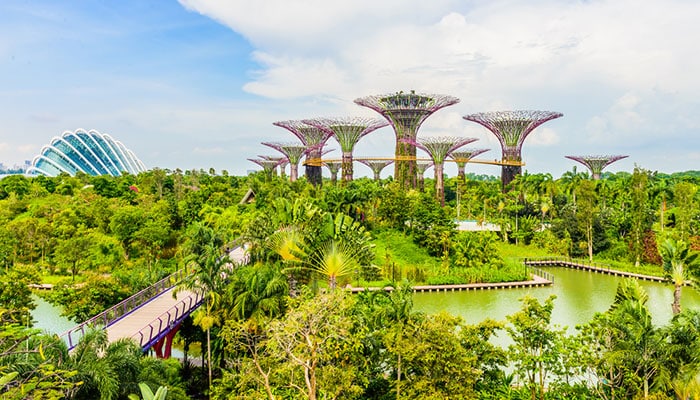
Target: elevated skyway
[152, 316]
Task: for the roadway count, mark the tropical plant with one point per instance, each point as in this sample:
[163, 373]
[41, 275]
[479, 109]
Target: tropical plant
[680, 263]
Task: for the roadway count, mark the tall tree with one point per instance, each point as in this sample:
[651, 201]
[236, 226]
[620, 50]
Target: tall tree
[680, 263]
[639, 212]
[203, 253]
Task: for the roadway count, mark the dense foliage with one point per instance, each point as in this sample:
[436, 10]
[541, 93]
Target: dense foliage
[279, 327]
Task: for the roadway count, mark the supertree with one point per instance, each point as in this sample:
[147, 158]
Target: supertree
[267, 165]
[511, 128]
[421, 167]
[439, 148]
[293, 152]
[406, 112]
[347, 131]
[596, 164]
[312, 137]
[282, 160]
[333, 167]
[376, 165]
[461, 158]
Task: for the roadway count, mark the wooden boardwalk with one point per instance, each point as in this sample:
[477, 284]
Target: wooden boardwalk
[536, 281]
[599, 268]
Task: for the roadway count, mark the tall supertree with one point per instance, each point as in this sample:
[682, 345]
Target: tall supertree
[462, 157]
[333, 167]
[421, 167]
[376, 165]
[511, 128]
[406, 112]
[439, 148]
[293, 152]
[596, 164]
[267, 165]
[347, 131]
[312, 137]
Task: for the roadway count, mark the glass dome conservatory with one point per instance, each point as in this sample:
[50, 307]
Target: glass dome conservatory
[90, 152]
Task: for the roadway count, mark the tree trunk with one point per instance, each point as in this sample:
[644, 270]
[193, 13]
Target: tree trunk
[347, 167]
[676, 306]
[209, 360]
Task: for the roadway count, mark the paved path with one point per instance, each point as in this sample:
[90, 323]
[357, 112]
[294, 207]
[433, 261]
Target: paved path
[144, 316]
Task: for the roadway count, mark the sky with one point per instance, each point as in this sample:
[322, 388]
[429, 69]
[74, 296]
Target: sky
[197, 84]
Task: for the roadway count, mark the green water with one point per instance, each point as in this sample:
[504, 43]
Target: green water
[580, 295]
[48, 318]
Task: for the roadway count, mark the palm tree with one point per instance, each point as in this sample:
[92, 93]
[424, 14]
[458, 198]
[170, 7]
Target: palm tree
[107, 370]
[334, 260]
[678, 262]
[208, 278]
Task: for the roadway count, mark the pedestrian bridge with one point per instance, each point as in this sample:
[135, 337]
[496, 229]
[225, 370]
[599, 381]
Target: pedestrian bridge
[151, 317]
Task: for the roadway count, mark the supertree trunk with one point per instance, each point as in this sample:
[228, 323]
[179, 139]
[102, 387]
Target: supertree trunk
[347, 167]
[314, 138]
[440, 183]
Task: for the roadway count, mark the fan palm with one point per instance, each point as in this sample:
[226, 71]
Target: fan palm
[678, 262]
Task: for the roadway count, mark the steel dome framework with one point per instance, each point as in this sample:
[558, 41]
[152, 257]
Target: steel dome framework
[89, 152]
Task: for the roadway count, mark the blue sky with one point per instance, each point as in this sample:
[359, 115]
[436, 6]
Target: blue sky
[198, 83]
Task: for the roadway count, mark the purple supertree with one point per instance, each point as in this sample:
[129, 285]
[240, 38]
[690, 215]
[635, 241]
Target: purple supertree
[333, 167]
[439, 148]
[314, 138]
[461, 158]
[511, 128]
[596, 164]
[293, 152]
[406, 112]
[347, 131]
[376, 165]
[421, 167]
[267, 165]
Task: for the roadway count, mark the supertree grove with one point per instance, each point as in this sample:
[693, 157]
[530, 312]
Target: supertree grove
[439, 148]
[376, 165]
[406, 112]
[461, 158]
[293, 152]
[347, 131]
[596, 164]
[511, 128]
[312, 137]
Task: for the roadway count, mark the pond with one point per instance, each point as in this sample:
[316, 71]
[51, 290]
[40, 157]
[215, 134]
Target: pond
[580, 294]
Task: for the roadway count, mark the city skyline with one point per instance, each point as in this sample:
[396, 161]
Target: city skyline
[197, 84]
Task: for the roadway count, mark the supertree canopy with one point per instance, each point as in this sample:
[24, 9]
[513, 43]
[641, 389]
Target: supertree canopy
[511, 128]
[462, 157]
[314, 138]
[596, 164]
[347, 131]
[439, 148]
[406, 112]
[376, 165]
[293, 152]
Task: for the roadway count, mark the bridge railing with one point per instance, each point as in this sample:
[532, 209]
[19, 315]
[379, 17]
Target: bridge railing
[541, 273]
[566, 260]
[151, 333]
[118, 311]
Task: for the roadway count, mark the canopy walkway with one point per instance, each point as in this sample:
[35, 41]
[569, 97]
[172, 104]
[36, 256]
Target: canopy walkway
[151, 317]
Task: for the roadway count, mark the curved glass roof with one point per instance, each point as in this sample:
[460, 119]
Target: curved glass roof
[85, 151]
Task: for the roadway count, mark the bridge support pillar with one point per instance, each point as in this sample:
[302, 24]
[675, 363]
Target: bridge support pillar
[167, 340]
